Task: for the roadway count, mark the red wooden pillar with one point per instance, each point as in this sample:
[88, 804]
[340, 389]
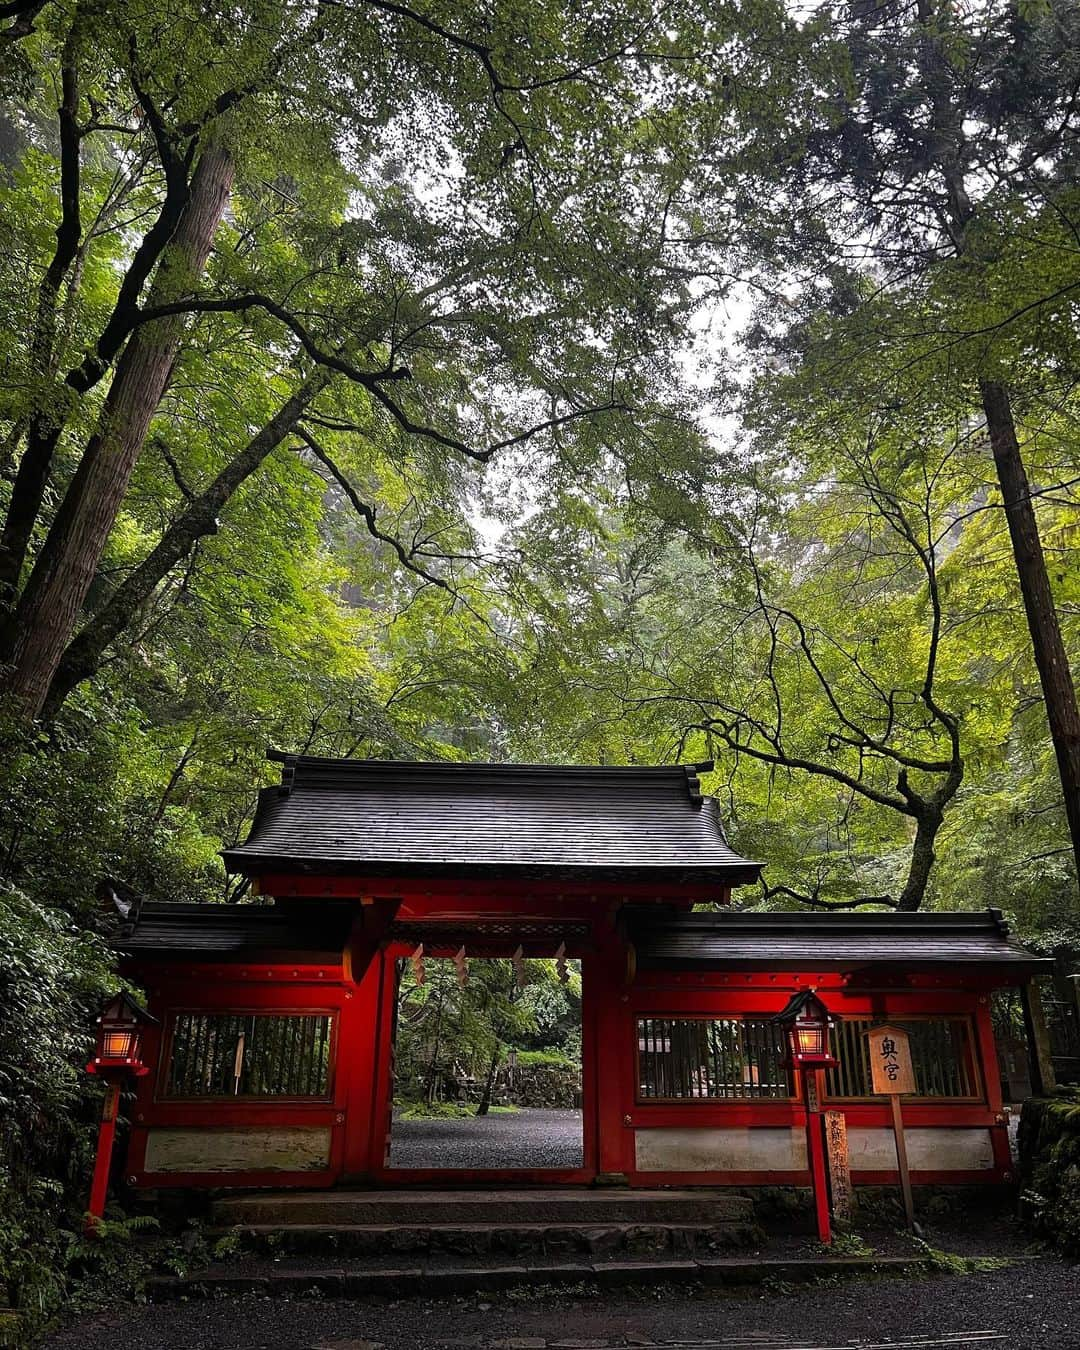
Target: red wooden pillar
[590, 1086]
[991, 1077]
[605, 974]
[99, 1187]
[385, 992]
[358, 1058]
[813, 1083]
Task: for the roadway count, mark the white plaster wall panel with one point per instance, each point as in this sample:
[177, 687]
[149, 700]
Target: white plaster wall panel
[929, 1150]
[742, 1149]
[287, 1149]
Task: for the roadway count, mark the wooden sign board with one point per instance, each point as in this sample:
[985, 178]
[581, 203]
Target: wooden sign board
[836, 1150]
[890, 1061]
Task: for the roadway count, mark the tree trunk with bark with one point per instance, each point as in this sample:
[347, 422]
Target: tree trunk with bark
[433, 1066]
[484, 1105]
[199, 518]
[49, 607]
[928, 823]
[1051, 658]
[43, 424]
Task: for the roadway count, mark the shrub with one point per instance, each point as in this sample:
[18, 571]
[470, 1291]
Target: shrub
[1049, 1143]
[53, 977]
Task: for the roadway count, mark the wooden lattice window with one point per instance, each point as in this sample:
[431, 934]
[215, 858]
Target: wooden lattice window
[701, 1059]
[941, 1055]
[250, 1055]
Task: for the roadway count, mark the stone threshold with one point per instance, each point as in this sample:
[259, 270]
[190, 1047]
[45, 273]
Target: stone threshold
[432, 1278]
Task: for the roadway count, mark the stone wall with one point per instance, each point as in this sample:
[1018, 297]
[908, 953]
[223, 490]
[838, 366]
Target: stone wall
[538, 1085]
[545, 1085]
[1049, 1142]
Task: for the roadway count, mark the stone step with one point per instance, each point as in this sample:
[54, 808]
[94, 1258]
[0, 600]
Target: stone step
[412, 1208]
[428, 1279]
[517, 1240]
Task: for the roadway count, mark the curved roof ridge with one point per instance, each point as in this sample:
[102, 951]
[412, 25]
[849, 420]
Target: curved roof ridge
[365, 816]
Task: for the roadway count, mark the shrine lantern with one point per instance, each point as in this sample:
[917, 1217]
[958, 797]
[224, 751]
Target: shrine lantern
[118, 1046]
[806, 1023]
[117, 1055]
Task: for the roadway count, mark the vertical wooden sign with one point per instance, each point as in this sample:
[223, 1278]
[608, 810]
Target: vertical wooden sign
[836, 1150]
[893, 1075]
[890, 1061]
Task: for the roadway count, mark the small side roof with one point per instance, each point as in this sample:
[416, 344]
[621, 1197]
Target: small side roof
[395, 818]
[816, 940]
[218, 932]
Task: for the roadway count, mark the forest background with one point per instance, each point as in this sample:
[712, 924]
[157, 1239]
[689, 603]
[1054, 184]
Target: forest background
[592, 383]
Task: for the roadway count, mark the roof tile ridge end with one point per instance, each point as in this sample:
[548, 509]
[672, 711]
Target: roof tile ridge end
[288, 769]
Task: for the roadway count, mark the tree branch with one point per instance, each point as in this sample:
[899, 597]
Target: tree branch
[24, 12]
[814, 901]
[238, 304]
[406, 557]
[199, 518]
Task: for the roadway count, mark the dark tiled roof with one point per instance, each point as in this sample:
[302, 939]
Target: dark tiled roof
[392, 818]
[814, 940]
[317, 932]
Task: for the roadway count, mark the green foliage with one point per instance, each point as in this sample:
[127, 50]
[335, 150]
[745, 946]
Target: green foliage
[680, 455]
[949, 1263]
[452, 1038]
[1049, 1143]
[553, 1059]
[53, 976]
[438, 1111]
[848, 1244]
[449, 1111]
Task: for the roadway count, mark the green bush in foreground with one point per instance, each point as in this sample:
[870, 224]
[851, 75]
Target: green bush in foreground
[53, 975]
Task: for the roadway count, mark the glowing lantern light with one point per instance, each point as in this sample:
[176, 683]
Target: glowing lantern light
[117, 1055]
[118, 1047]
[806, 1022]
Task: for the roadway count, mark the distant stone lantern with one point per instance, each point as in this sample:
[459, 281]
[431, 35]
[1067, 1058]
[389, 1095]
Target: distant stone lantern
[117, 1056]
[806, 1022]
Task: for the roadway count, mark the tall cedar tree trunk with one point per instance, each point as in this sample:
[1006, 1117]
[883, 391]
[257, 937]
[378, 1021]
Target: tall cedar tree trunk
[42, 430]
[84, 653]
[49, 607]
[1051, 658]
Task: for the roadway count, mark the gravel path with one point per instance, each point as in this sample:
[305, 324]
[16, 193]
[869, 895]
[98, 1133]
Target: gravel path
[526, 1138]
[1034, 1305]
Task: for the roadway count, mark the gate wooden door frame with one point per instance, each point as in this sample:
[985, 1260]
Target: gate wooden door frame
[382, 1105]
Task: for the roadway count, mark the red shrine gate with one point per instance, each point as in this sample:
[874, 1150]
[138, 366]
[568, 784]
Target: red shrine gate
[273, 1061]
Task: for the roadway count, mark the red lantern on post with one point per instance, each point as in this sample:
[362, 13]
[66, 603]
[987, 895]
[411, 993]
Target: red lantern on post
[117, 1055]
[806, 1023]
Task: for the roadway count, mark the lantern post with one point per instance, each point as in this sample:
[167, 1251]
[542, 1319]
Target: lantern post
[806, 1022]
[117, 1056]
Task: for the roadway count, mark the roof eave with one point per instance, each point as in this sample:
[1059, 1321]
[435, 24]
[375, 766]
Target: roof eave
[739, 872]
[1015, 965]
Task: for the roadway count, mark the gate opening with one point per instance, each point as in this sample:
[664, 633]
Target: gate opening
[487, 1065]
